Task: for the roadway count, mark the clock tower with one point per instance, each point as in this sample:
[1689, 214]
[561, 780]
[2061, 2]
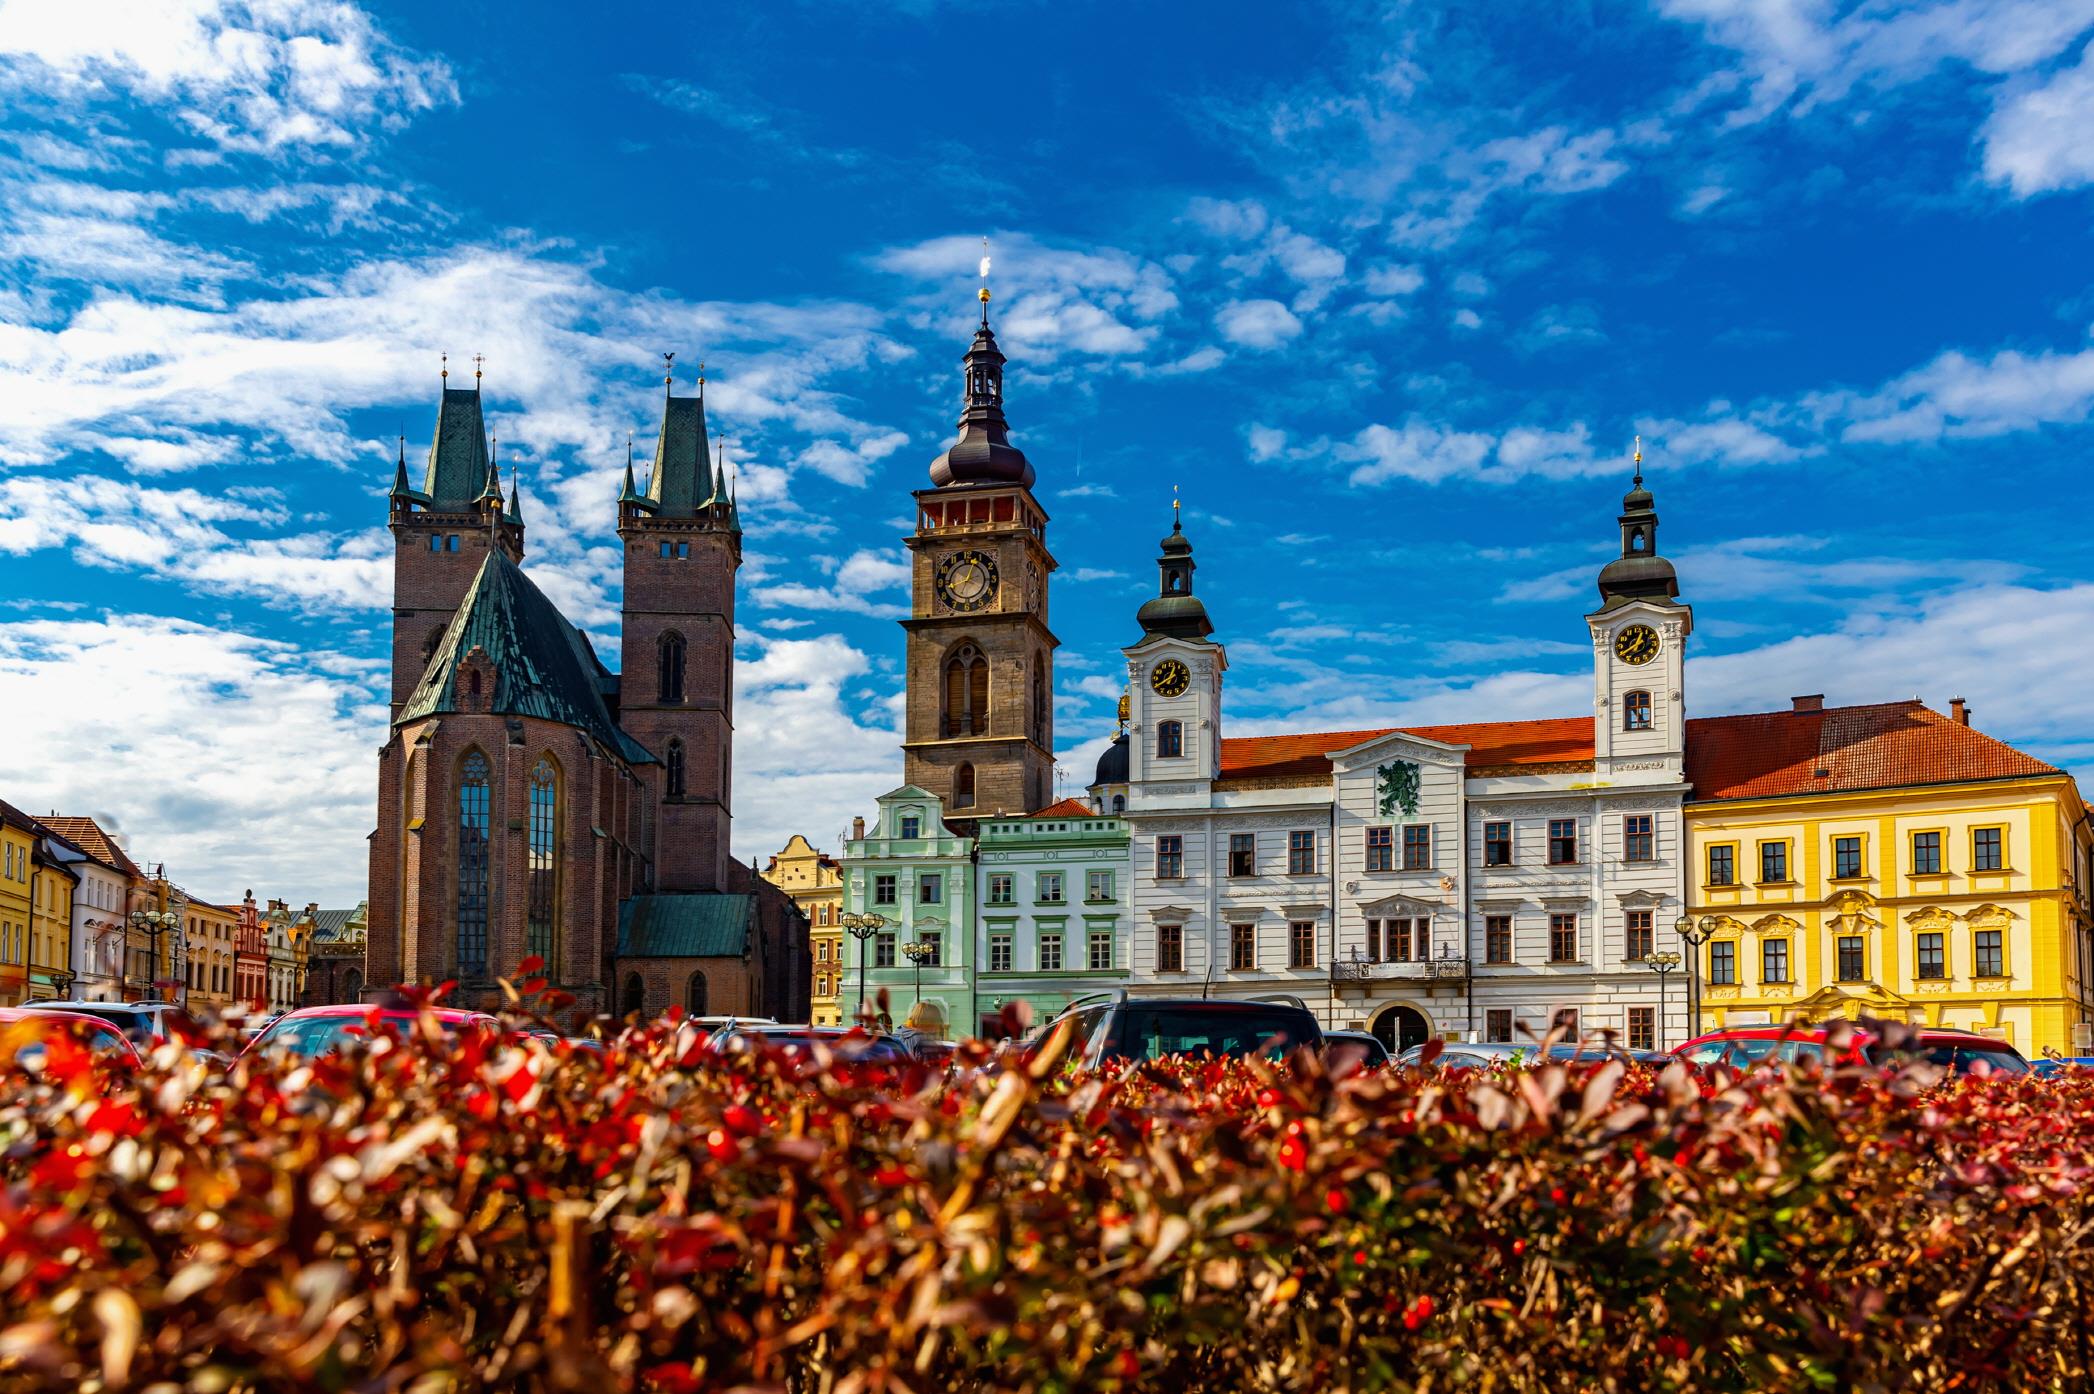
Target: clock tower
[1639, 651]
[979, 729]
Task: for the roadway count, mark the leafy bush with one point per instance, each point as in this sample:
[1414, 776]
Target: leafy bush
[466, 1214]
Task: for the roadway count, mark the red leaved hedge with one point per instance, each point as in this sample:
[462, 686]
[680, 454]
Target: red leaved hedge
[462, 1215]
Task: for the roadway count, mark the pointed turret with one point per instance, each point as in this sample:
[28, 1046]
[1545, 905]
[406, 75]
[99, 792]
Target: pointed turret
[983, 454]
[402, 491]
[491, 490]
[629, 494]
[515, 498]
[1639, 573]
[458, 452]
[1175, 611]
[679, 485]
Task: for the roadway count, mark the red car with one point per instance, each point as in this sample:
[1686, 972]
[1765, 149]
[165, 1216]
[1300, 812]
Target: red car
[24, 1031]
[1964, 1052]
[311, 1031]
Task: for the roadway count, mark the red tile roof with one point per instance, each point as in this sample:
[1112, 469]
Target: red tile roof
[1549, 740]
[87, 835]
[1767, 754]
[1067, 808]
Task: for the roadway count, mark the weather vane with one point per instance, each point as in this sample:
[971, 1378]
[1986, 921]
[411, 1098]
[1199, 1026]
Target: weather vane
[668, 370]
[985, 280]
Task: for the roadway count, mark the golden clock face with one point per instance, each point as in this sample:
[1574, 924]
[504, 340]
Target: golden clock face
[1170, 678]
[966, 580]
[1636, 645]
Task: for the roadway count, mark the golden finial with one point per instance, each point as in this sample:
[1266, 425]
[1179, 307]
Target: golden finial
[668, 370]
[701, 377]
[446, 374]
[478, 359]
[1639, 459]
[983, 294]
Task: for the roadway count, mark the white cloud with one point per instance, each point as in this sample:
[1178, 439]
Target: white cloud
[805, 758]
[217, 545]
[1048, 300]
[1957, 395]
[858, 579]
[2037, 139]
[1257, 324]
[1393, 279]
[239, 761]
[1416, 450]
[254, 75]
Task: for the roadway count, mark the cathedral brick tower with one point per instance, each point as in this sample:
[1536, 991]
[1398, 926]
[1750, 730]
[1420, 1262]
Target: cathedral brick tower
[683, 546]
[443, 531]
[979, 729]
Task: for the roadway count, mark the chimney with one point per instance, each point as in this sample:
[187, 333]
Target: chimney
[1960, 711]
[1815, 702]
[858, 829]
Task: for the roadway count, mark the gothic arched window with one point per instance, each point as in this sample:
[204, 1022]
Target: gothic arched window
[1170, 740]
[670, 653]
[472, 864]
[353, 986]
[1635, 711]
[963, 787]
[694, 995]
[673, 784]
[635, 995]
[967, 692]
[542, 871]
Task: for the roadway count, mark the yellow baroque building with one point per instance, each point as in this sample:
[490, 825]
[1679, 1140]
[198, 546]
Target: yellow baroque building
[814, 880]
[1888, 861]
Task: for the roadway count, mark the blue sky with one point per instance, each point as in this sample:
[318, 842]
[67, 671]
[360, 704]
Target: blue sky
[1386, 292]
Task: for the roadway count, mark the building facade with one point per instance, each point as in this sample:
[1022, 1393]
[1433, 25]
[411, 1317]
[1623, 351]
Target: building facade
[18, 836]
[54, 883]
[1889, 861]
[533, 805]
[1477, 881]
[1051, 894]
[334, 957]
[101, 912]
[916, 876]
[213, 933]
[814, 881]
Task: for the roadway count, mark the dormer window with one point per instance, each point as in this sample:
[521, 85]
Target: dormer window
[911, 827]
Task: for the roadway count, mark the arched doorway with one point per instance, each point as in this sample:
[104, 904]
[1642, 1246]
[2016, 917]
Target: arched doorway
[694, 995]
[635, 995]
[1399, 1028]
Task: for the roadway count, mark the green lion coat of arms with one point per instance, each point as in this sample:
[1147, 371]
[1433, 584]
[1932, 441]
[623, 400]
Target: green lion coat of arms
[1398, 786]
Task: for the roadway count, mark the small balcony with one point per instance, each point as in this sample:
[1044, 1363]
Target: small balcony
[1357, 968]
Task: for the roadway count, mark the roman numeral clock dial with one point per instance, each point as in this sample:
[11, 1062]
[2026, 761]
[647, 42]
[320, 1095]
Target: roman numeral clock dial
[966, 581]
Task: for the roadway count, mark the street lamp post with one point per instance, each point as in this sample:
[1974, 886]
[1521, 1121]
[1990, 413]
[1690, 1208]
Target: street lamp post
[1694, 934]
[153, 924]
[1662, 964]
[918, 954]
[862, 928]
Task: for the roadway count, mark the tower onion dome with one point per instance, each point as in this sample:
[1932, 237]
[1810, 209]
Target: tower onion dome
[1113, 764]
[1175, 611]
[983, 454]
[1639, 573]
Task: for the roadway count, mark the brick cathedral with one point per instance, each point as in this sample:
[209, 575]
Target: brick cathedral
[534, 804]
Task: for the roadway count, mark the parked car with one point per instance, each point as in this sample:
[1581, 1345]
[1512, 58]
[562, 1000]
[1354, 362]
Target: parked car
[1476, 1055]
[1347, 1051]
[146, 1023]
[2058, 1066]
[25, 1033]
[1964, 1052]
[1149, 1028]
[846, 1042]
[311, 1031]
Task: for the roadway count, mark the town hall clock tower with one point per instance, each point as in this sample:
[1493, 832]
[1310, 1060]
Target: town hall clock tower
[979, 731]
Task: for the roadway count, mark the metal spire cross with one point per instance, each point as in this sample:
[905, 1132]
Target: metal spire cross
[985, 282]
[1639, 459]
[478, 359]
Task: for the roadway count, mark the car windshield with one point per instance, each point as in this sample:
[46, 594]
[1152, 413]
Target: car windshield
[27, 1037]
[316, 1035]
[1738, 1050]
[136, 1024]
[1148, 1033]
[848, 1043]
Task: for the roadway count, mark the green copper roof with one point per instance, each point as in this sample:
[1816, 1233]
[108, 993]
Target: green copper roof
[682, 481]
[543, 666]
[706, 924]
[458, 454]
